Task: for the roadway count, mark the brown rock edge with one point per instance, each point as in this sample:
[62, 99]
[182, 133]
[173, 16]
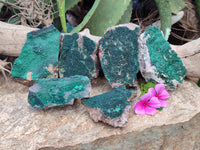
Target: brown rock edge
[97, 115]
[181, 136]
[23, 127]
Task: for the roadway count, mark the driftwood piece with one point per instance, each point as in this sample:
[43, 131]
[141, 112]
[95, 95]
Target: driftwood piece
[190, 55]
[12, 38]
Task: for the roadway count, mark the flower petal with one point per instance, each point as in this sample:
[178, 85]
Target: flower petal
[150, 111]
[159, 88]
[154, 102]
[146, 97]
[164, 95]
[163, 103]
[139, 108]
[152, 92]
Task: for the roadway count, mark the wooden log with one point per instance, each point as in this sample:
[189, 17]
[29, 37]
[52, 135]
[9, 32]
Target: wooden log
[12, 38]
[190, 55]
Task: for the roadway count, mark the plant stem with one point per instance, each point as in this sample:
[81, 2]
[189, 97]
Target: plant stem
[61, 8]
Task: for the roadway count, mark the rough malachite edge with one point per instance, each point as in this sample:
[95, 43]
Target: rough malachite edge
[77, 56]
[117, 97]
[110, 45]
[58, 91]
[175, 70]
[38, 60]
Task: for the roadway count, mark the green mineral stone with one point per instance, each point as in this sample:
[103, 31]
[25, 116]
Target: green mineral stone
[119, 55]
[78, 56]
[158, 62]
[111, 107]
[39, 56]
[58, 91]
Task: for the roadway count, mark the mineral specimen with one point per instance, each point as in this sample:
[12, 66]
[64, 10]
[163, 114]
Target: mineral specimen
[158, 62]
[111, 107]
[78, 56]
[58, 91]
[118, 52]
[39, 56]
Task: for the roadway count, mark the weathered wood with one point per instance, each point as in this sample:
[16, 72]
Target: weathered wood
[12, 38]
[190, 55]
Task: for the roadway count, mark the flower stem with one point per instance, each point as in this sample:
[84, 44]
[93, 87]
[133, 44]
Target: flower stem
[61, 8]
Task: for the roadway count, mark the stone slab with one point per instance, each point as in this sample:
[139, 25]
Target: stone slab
[118, 52]
[158, 62]
[111, 107]
[25, 128]
[78, 56]
[39, 55]
[53, 92]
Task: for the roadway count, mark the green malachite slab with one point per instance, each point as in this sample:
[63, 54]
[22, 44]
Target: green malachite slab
[58, 91]
[112, 103]
[158, 62]
[39, 56]
[78, 56]
[119, 55]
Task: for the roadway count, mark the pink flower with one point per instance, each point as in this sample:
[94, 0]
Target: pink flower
[147, 105]
[160, 93]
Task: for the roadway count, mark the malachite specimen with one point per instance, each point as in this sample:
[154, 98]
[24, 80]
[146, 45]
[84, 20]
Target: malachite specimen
[111, 107]
[158, 62]
[119, 55]
[58, 91]
[78, 56]
[39, 56]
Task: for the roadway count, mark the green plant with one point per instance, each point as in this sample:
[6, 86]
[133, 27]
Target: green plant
[166, 8]
[198, 6]
[61, 8]
[102, 15]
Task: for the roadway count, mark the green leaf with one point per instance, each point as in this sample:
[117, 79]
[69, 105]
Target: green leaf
[198, 6]
[144, 87]
[127, 15]
[61, 6]
[198, 83]
[70, 4]
[160, 109]
[165, 16]
[165, 8]
[15, 20]
[107, 14]
[87, 17]
[176, 5]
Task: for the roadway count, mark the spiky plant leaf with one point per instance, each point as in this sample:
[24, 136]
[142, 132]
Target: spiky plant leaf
[165, 8]
[176, 5]
[127, 15]
[70, 4]
[87, 17]
[198, 6]
[107, 14]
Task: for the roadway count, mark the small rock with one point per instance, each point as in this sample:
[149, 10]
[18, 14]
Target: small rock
[58, 91]
[39, 56]
[158, 62]
[118, 52]
[78, 56]
[111, 107]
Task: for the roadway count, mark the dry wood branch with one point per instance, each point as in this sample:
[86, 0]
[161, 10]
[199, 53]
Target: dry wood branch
[190, 55]
[33, 12]
[3, 69]
[12, 38]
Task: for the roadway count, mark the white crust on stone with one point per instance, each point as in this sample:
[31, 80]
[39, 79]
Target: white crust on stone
[97, 115]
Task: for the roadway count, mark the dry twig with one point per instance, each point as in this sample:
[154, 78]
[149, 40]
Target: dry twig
[33, 13]
[3, 65]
